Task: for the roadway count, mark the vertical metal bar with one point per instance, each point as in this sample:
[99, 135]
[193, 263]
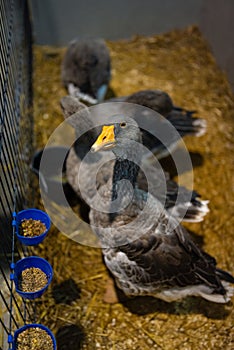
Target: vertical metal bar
[15, 81]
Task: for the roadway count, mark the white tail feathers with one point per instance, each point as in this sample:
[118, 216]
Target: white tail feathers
[201, 290]
[200, 125]
[190, 212]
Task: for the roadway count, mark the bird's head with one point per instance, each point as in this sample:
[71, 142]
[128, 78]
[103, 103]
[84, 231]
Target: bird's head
[117, 134]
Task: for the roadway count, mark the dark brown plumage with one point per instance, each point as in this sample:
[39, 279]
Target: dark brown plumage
[181, 119]
[86, 69]
[145, 249]
[188, 208]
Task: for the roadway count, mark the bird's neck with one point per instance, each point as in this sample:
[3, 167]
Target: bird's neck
[127, 166]
[124, 169]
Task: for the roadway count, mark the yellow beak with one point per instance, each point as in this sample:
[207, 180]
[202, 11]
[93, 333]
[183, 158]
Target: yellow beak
[105, 140]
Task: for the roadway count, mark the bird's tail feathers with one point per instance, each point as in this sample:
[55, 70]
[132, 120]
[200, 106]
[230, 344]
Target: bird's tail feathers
[193, 211]
[186, 124]
[225, 276]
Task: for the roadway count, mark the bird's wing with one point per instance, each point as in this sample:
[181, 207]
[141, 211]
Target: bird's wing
[170, 259]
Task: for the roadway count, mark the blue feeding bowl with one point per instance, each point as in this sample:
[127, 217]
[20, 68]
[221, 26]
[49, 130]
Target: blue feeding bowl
[34, 214]
[33, 325]
[25, 263]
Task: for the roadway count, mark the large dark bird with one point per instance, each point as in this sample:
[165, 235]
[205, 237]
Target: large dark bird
[82, 174]
[145, 249]
[184, 121]
[86, 69]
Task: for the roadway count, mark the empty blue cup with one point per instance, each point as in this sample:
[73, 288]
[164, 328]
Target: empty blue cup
[34, 214]
[25, 263]
[33, 325]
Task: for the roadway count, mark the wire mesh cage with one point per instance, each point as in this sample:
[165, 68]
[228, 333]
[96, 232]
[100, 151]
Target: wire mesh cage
[16, 146]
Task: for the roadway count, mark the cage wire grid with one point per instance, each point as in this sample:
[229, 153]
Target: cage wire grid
[16, 147]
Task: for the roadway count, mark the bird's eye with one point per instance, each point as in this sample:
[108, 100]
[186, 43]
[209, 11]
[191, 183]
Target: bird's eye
[123, 125]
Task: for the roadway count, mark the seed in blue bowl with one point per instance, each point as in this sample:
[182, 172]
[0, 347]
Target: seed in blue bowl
[32, 228]
[32, 279]
[34, 338]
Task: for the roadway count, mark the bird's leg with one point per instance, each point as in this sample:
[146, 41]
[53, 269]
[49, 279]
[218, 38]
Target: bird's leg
[113, 294]
[110, 295]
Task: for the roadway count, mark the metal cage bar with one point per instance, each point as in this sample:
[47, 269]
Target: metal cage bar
[16, 147]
